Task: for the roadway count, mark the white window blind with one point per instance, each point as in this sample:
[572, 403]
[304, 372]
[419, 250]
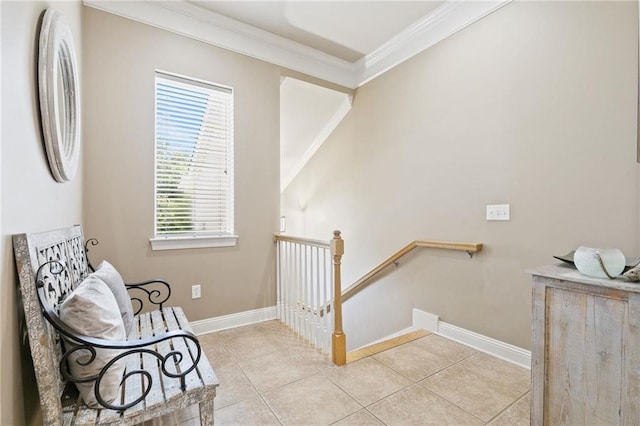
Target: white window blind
[193, 158]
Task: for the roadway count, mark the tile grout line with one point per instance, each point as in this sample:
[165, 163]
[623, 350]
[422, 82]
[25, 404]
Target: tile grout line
[348, 394]
[518, 399]
[432, 374]
[270, 408]
[319, 373]
[376, 417]
[279, 386]
[463, 409]
[454, 404]
[260, 395]
[380, 399]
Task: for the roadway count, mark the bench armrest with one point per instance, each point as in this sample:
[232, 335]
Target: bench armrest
[157, 292]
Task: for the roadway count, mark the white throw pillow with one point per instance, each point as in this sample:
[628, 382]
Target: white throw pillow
[112, 278]
[91, 309]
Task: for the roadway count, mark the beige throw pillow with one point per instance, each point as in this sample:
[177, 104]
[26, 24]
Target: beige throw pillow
[112, 278]
[91, 309]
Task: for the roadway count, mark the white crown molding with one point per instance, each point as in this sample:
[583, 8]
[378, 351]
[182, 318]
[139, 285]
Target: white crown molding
[434, 27]
[201, 24]
[328, 128]
[195, 22]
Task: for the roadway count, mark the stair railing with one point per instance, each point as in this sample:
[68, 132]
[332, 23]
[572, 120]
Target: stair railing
[309, 286]
[308, 274]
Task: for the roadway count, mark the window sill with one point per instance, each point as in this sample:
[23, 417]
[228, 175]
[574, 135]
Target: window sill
[179, 243]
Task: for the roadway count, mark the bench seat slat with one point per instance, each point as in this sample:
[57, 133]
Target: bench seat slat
[151, 364]
[171, 385]
[133, 387]
[86, 416]
[132, 390]
[192, 380]
[207, 375]
[69, 411]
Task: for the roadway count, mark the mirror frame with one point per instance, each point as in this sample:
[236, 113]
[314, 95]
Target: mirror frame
[57, 67]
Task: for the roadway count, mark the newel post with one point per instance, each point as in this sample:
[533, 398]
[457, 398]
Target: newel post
[338, 339]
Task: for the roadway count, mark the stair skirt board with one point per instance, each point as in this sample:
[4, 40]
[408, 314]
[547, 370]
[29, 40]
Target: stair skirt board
[477, 341]
[211, 325]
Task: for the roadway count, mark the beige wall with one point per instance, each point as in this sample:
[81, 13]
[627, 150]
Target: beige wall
[31, 199]
[120, 58]
[534, 106]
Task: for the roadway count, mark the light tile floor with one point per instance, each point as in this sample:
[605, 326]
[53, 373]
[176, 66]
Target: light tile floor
[268, 376]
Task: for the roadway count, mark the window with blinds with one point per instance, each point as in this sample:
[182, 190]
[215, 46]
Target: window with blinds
[193, 158]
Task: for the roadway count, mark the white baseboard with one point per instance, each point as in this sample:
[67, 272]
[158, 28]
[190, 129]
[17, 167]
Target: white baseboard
[425, 320]
[239, 319]
[477, 341]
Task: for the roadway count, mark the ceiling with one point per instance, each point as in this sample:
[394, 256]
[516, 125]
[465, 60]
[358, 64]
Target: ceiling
[343, 42]
[348, 30]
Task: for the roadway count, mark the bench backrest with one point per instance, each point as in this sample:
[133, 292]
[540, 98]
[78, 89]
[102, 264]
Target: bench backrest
[31, 251]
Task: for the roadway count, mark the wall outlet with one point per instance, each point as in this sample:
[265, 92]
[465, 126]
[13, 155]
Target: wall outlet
[499, 212]
[195, 291]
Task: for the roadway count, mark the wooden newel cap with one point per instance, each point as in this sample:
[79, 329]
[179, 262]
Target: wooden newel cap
[337, 244]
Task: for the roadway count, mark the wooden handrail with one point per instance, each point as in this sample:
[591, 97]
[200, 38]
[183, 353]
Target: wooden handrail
[354, 288]
[317, 243]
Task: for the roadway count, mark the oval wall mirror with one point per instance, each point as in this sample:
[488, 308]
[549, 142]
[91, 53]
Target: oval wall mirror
[59, 96]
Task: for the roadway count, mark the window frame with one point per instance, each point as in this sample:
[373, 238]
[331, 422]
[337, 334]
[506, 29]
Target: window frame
[194, 239]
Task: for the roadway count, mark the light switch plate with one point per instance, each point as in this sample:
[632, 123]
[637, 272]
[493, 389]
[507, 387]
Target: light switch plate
[499, 212]
[195, 291]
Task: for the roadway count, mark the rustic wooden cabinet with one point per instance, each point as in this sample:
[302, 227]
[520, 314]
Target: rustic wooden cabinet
[585, 367]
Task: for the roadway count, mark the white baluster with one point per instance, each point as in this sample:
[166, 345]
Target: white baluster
[290, 306]
[283, 275]
[305, 294]
[308, 290]
[299, 293]
[323, 297]
[314, 297]
[278, 282]
[331, 298]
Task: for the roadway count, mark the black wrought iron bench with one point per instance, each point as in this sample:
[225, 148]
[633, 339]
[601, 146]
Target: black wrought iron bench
[165, 368]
